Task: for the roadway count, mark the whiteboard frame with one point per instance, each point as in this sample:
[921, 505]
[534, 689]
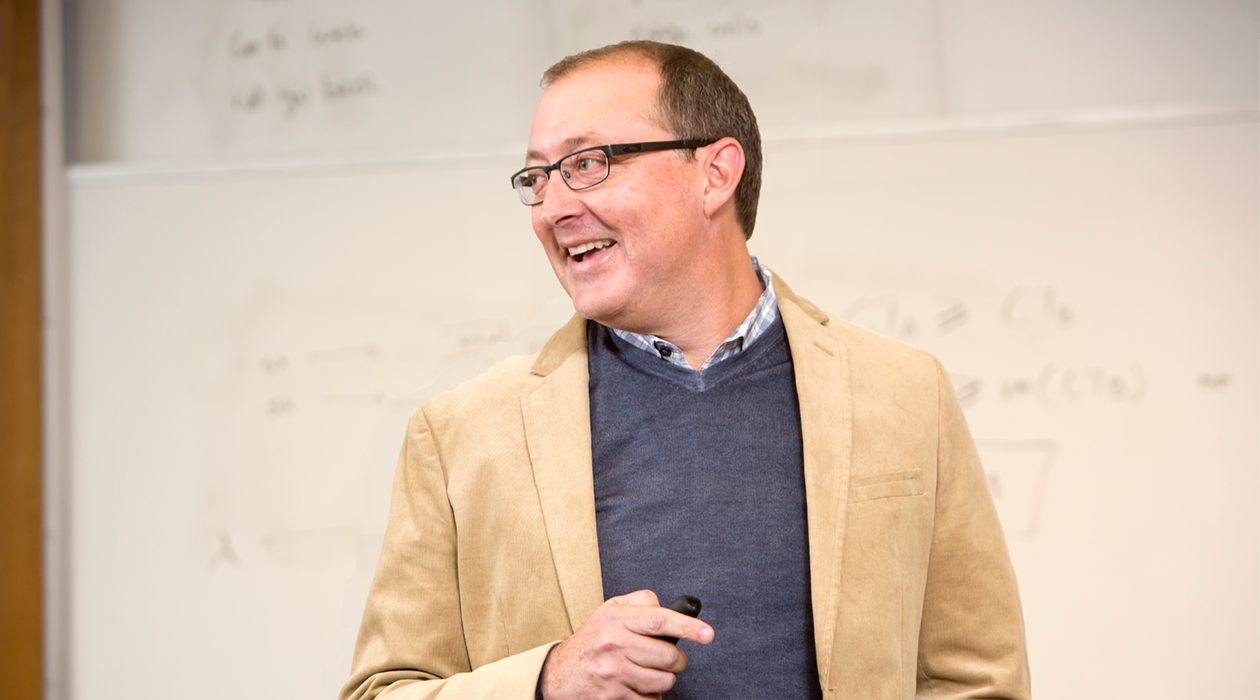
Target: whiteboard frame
[55, 294]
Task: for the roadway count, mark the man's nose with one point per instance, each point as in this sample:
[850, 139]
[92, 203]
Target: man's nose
[560, 203]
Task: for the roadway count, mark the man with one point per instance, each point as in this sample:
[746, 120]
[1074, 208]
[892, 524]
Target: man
[695, 429]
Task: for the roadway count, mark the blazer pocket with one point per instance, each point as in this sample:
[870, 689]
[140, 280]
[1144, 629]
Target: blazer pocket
[887, 485]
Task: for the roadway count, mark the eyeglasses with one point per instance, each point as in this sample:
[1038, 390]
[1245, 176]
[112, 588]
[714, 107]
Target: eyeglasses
[588, 167]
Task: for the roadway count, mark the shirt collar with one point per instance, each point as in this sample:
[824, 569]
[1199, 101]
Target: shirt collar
[754, 326]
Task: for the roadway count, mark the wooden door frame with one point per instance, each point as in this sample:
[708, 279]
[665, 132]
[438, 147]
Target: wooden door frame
[21, 350]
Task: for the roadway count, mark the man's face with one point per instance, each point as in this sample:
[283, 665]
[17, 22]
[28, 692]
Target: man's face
[647, 214]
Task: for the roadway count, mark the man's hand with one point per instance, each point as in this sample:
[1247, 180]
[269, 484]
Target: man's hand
[616, 655]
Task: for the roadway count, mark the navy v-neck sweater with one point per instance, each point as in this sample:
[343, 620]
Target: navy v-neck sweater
[699, 490]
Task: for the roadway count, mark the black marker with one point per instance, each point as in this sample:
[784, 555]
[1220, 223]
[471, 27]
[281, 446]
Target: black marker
[687, 605]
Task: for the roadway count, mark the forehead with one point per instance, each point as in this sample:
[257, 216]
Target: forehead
[610, 101]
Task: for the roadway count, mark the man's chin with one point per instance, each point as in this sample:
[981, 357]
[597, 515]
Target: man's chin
[595, 308]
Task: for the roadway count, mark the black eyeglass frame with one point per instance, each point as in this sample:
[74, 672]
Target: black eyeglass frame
[611, 150]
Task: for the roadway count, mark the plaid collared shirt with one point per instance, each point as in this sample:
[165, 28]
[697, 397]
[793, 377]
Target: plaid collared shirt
[761, 318]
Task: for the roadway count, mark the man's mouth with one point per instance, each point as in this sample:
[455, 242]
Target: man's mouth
[578, 252]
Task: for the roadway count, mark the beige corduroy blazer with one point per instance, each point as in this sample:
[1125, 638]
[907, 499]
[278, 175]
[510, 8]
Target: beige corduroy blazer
[490, 556]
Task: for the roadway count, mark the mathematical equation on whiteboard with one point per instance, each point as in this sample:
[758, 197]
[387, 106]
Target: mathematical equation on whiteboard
[372, 375]
[913, 319]
[921, 319]
[1054, 384]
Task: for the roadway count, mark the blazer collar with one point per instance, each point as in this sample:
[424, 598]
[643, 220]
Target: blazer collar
[556, 413]
[823, 387]
[562, 347]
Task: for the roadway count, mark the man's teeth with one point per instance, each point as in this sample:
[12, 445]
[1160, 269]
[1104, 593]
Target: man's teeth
[579, 249]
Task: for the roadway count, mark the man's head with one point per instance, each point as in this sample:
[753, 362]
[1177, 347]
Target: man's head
[696, 100]
[666, 225]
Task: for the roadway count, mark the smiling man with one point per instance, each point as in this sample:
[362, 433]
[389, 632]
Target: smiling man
[695, 429]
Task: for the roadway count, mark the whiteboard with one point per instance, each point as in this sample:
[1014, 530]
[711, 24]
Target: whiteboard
[180, 81]
[290, 223]
[246, 347]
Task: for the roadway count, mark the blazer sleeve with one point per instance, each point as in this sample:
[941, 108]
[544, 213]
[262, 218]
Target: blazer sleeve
[411, 640]
[971, 641]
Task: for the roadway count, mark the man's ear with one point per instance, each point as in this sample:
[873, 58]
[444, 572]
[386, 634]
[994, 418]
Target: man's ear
[723, 169]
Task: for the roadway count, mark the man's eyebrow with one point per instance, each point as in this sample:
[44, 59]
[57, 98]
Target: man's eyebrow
[569, 145]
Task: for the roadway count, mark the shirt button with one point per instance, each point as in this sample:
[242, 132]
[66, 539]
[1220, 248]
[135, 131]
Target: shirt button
[664, 350]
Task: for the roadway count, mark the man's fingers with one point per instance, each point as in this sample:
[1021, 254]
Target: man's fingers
[663, 622]
[657, 654]
[641, 613]
[617, 653]
[649, 682]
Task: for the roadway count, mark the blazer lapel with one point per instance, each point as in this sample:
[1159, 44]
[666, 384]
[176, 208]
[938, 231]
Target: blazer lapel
[558, 435]
[822, 384]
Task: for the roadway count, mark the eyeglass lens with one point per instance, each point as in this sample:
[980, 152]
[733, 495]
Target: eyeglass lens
[580, 170]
